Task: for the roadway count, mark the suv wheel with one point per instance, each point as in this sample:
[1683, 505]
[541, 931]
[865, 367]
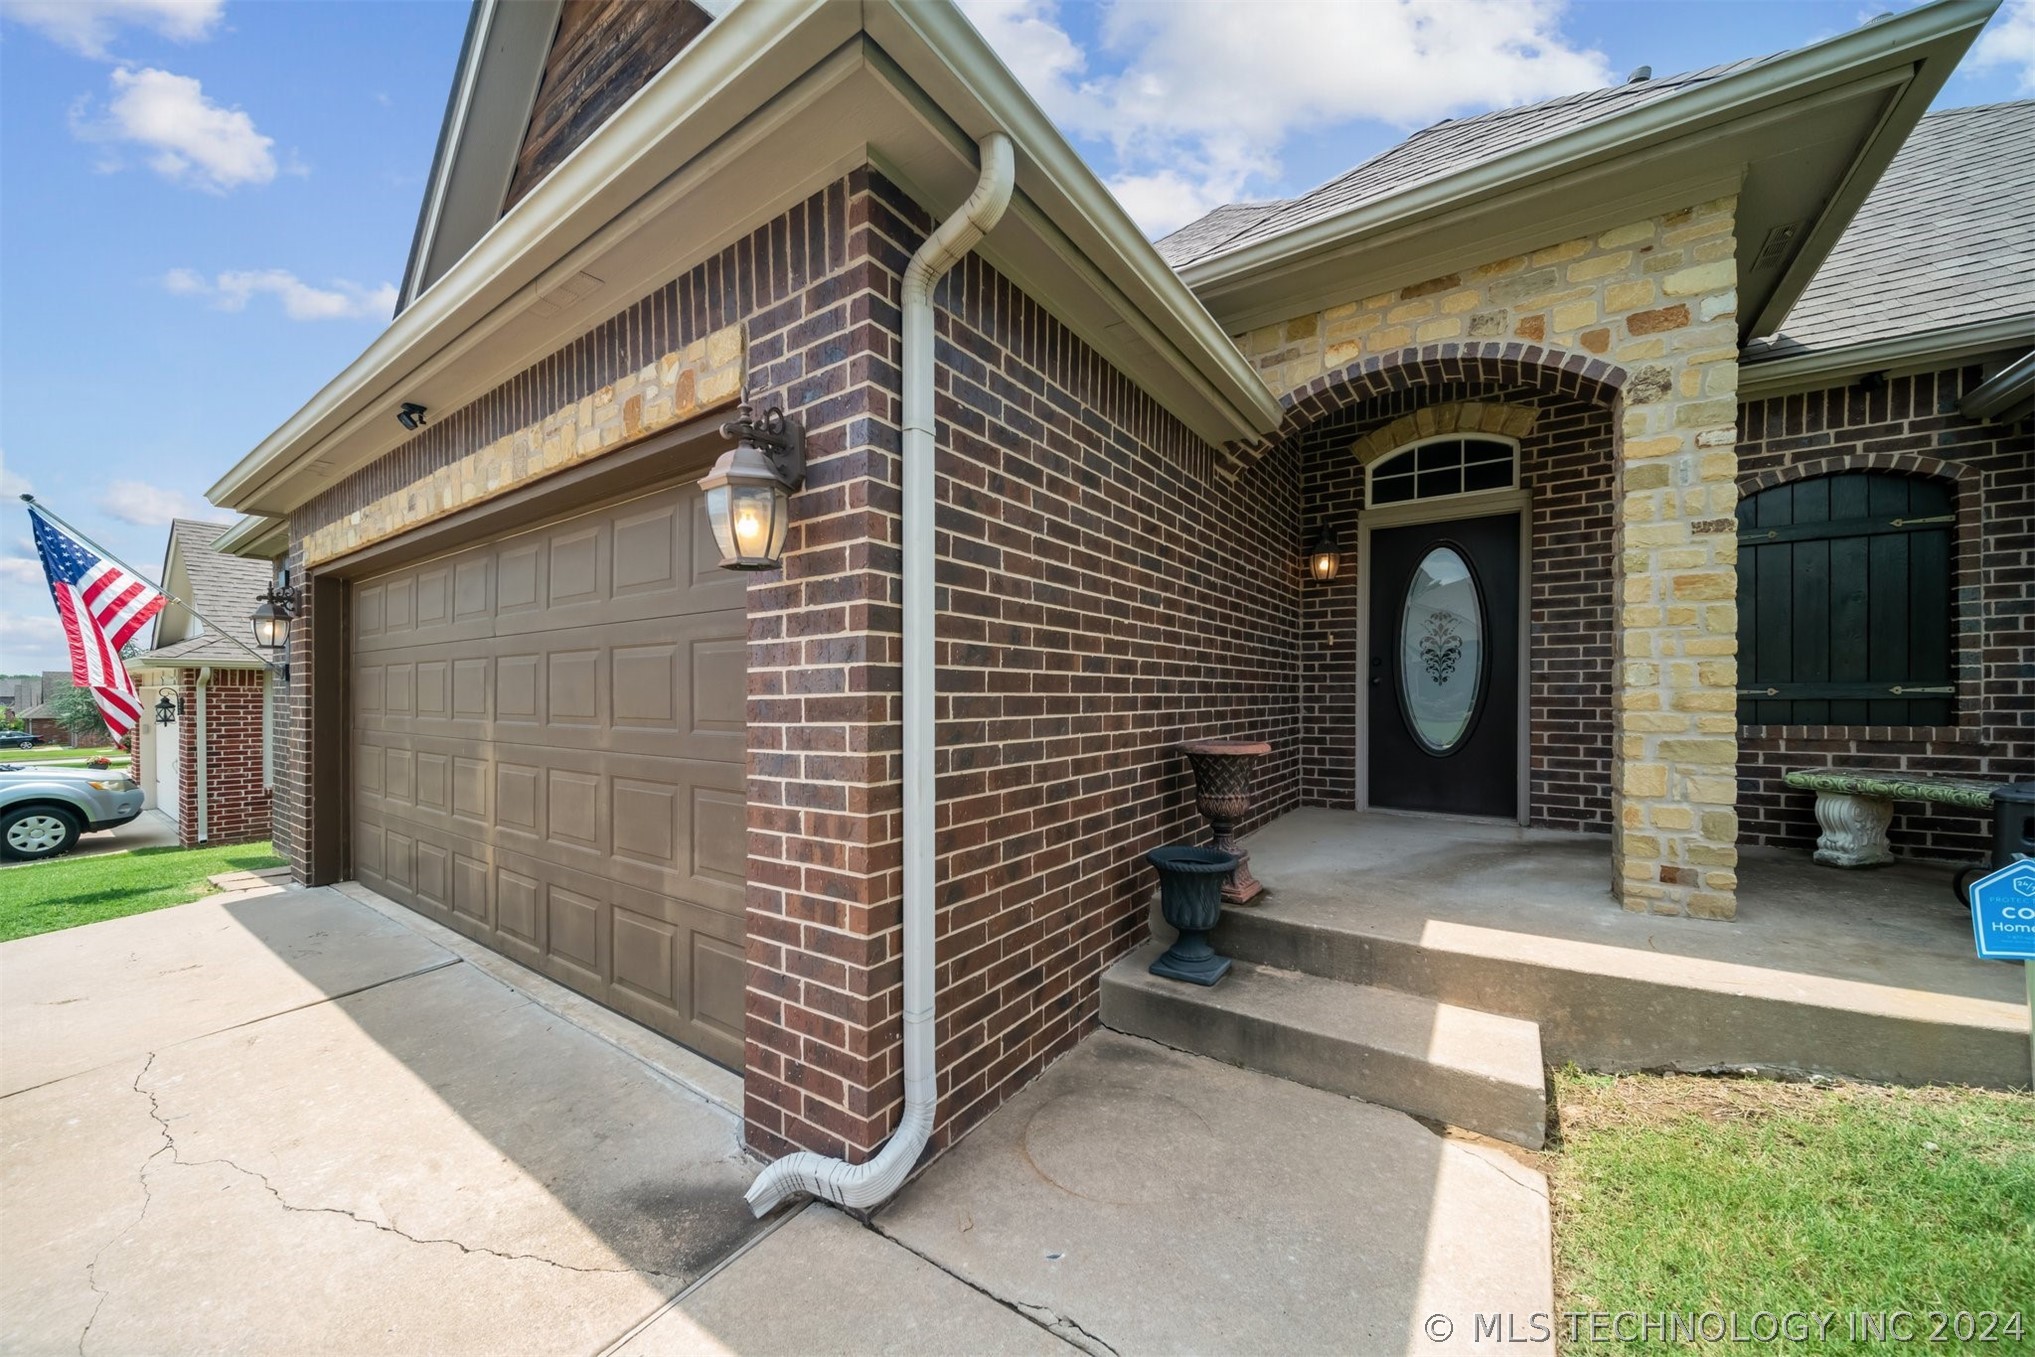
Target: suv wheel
[37, 832]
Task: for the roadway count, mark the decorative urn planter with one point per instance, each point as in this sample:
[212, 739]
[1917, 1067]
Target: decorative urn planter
[1222, 785]
[1190, 898]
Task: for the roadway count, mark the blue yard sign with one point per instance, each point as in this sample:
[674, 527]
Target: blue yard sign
[2003, 912]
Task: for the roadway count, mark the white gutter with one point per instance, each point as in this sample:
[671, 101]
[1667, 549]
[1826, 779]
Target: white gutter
[871, 1184]
[204, 678]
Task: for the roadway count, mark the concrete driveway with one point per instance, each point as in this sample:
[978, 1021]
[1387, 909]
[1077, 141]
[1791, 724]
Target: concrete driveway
[151, 829]
[286, 1121]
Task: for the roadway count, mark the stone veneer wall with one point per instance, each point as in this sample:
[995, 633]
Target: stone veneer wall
[1652, 309]
[1912, 425]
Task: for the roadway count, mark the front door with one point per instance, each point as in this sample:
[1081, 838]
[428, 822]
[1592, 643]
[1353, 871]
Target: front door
[1444, 667]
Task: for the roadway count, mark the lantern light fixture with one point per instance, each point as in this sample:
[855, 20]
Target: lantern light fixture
[273, 612]
[167, 705]
[1325, 557]
[749, 489]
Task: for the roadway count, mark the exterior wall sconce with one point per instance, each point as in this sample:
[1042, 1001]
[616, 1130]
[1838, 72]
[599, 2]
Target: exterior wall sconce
[1325, 557]
[749, 490]
[167, 706]
[271, 617]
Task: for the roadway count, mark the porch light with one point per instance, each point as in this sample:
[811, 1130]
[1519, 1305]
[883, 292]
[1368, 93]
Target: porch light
[749, 490]
[1325, 557]
[271, 617]
[166, 707]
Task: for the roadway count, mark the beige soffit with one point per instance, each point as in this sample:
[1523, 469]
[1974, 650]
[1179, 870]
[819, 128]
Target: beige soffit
[775, 100]
[256, 535]
[1905, 353]
[1801, 138]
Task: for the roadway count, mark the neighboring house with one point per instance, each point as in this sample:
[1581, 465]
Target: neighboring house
[1500, 362]
[20, 692]
[40, 717]
[207, 767]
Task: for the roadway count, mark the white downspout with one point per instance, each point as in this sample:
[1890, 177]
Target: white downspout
[204, 677]
[872, 1183]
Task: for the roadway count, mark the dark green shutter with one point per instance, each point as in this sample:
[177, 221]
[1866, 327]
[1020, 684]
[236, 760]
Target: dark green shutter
[1844, 602]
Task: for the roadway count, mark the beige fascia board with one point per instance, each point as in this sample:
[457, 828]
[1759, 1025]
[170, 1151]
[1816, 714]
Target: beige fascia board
[262, 537]
[1840, 60]
[733, 69]
[944, 56]
[743, 85]
[1760, 378]
[1129, 329]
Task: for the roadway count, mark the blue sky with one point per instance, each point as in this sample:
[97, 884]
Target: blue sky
[205, 204]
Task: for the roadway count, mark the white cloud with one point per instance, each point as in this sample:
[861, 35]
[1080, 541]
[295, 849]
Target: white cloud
[1198, 100]
[2009, 40]
[146, 505]
[86, 26]
[21, 572]
[231, 291]
[183, 135]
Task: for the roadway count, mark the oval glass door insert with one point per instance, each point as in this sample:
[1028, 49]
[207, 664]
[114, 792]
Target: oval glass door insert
[1441, 650]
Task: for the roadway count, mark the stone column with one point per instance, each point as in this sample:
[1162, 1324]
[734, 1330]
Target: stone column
[1676, 675]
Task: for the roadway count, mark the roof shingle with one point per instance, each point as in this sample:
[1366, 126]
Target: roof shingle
[1945, 239]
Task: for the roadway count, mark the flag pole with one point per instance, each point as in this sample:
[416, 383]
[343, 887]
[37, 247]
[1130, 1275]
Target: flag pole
[37, 506]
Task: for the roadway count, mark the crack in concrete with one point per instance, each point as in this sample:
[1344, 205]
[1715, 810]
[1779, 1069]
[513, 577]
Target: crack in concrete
[147, 1199]
[176, 1157]
[1063, 1327]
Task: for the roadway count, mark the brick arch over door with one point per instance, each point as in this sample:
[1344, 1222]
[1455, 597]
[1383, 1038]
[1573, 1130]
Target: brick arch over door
[1965, 482]
[1499, 364]
[1564, 420]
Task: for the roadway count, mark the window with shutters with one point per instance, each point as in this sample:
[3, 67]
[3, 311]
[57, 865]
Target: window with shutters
[1845, 602]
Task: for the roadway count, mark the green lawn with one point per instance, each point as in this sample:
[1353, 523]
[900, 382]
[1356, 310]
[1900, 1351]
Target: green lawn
[74, 757]
[43, 897]
[1688, 1194]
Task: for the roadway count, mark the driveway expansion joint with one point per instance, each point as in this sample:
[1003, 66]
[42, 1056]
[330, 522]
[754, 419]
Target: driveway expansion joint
[1063, 1327]
[176, 1158]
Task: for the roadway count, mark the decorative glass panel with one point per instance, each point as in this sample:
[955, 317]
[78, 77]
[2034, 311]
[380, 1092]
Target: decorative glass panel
[1441, 650]
[1445, 466]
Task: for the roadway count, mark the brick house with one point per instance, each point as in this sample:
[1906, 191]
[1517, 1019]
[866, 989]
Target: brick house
[867, 825]
[207, 766]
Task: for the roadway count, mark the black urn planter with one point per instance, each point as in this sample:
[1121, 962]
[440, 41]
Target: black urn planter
[1190, 898]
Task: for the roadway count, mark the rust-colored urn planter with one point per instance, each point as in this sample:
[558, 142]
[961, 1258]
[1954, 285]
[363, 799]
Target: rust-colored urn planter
[1222, 785]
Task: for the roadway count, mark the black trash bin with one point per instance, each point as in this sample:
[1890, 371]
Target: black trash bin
[2013, 835]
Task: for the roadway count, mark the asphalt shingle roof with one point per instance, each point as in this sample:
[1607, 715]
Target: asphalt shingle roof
[223, 587]
[1432, 153]
[1946, 238]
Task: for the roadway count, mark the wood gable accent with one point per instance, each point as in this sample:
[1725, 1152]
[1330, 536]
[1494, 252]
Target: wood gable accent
[604, 51]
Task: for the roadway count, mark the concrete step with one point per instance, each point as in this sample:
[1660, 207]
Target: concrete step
[1623, 1007]
[1447, 1063]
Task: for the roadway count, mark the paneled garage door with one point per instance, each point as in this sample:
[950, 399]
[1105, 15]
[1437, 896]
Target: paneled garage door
[548, 757]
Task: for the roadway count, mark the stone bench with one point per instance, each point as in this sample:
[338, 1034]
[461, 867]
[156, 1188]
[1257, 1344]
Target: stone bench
[1853, 809]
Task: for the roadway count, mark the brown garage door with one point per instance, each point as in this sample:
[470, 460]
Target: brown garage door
[548, 756]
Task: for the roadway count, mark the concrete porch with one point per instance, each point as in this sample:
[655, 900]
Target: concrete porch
[1438, 965]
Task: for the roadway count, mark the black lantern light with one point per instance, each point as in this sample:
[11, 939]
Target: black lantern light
[167, 706]
[749, 490]
[271, 617]
[1325, 557]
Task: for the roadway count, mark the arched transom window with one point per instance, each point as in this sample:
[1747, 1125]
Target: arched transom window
[1436, 468]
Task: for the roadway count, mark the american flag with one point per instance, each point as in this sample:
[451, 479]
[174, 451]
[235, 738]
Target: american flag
[102, 606]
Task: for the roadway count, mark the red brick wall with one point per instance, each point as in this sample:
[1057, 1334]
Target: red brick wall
[1102, 594]
[1566, 464]
[1912, 425]
[237, 802]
